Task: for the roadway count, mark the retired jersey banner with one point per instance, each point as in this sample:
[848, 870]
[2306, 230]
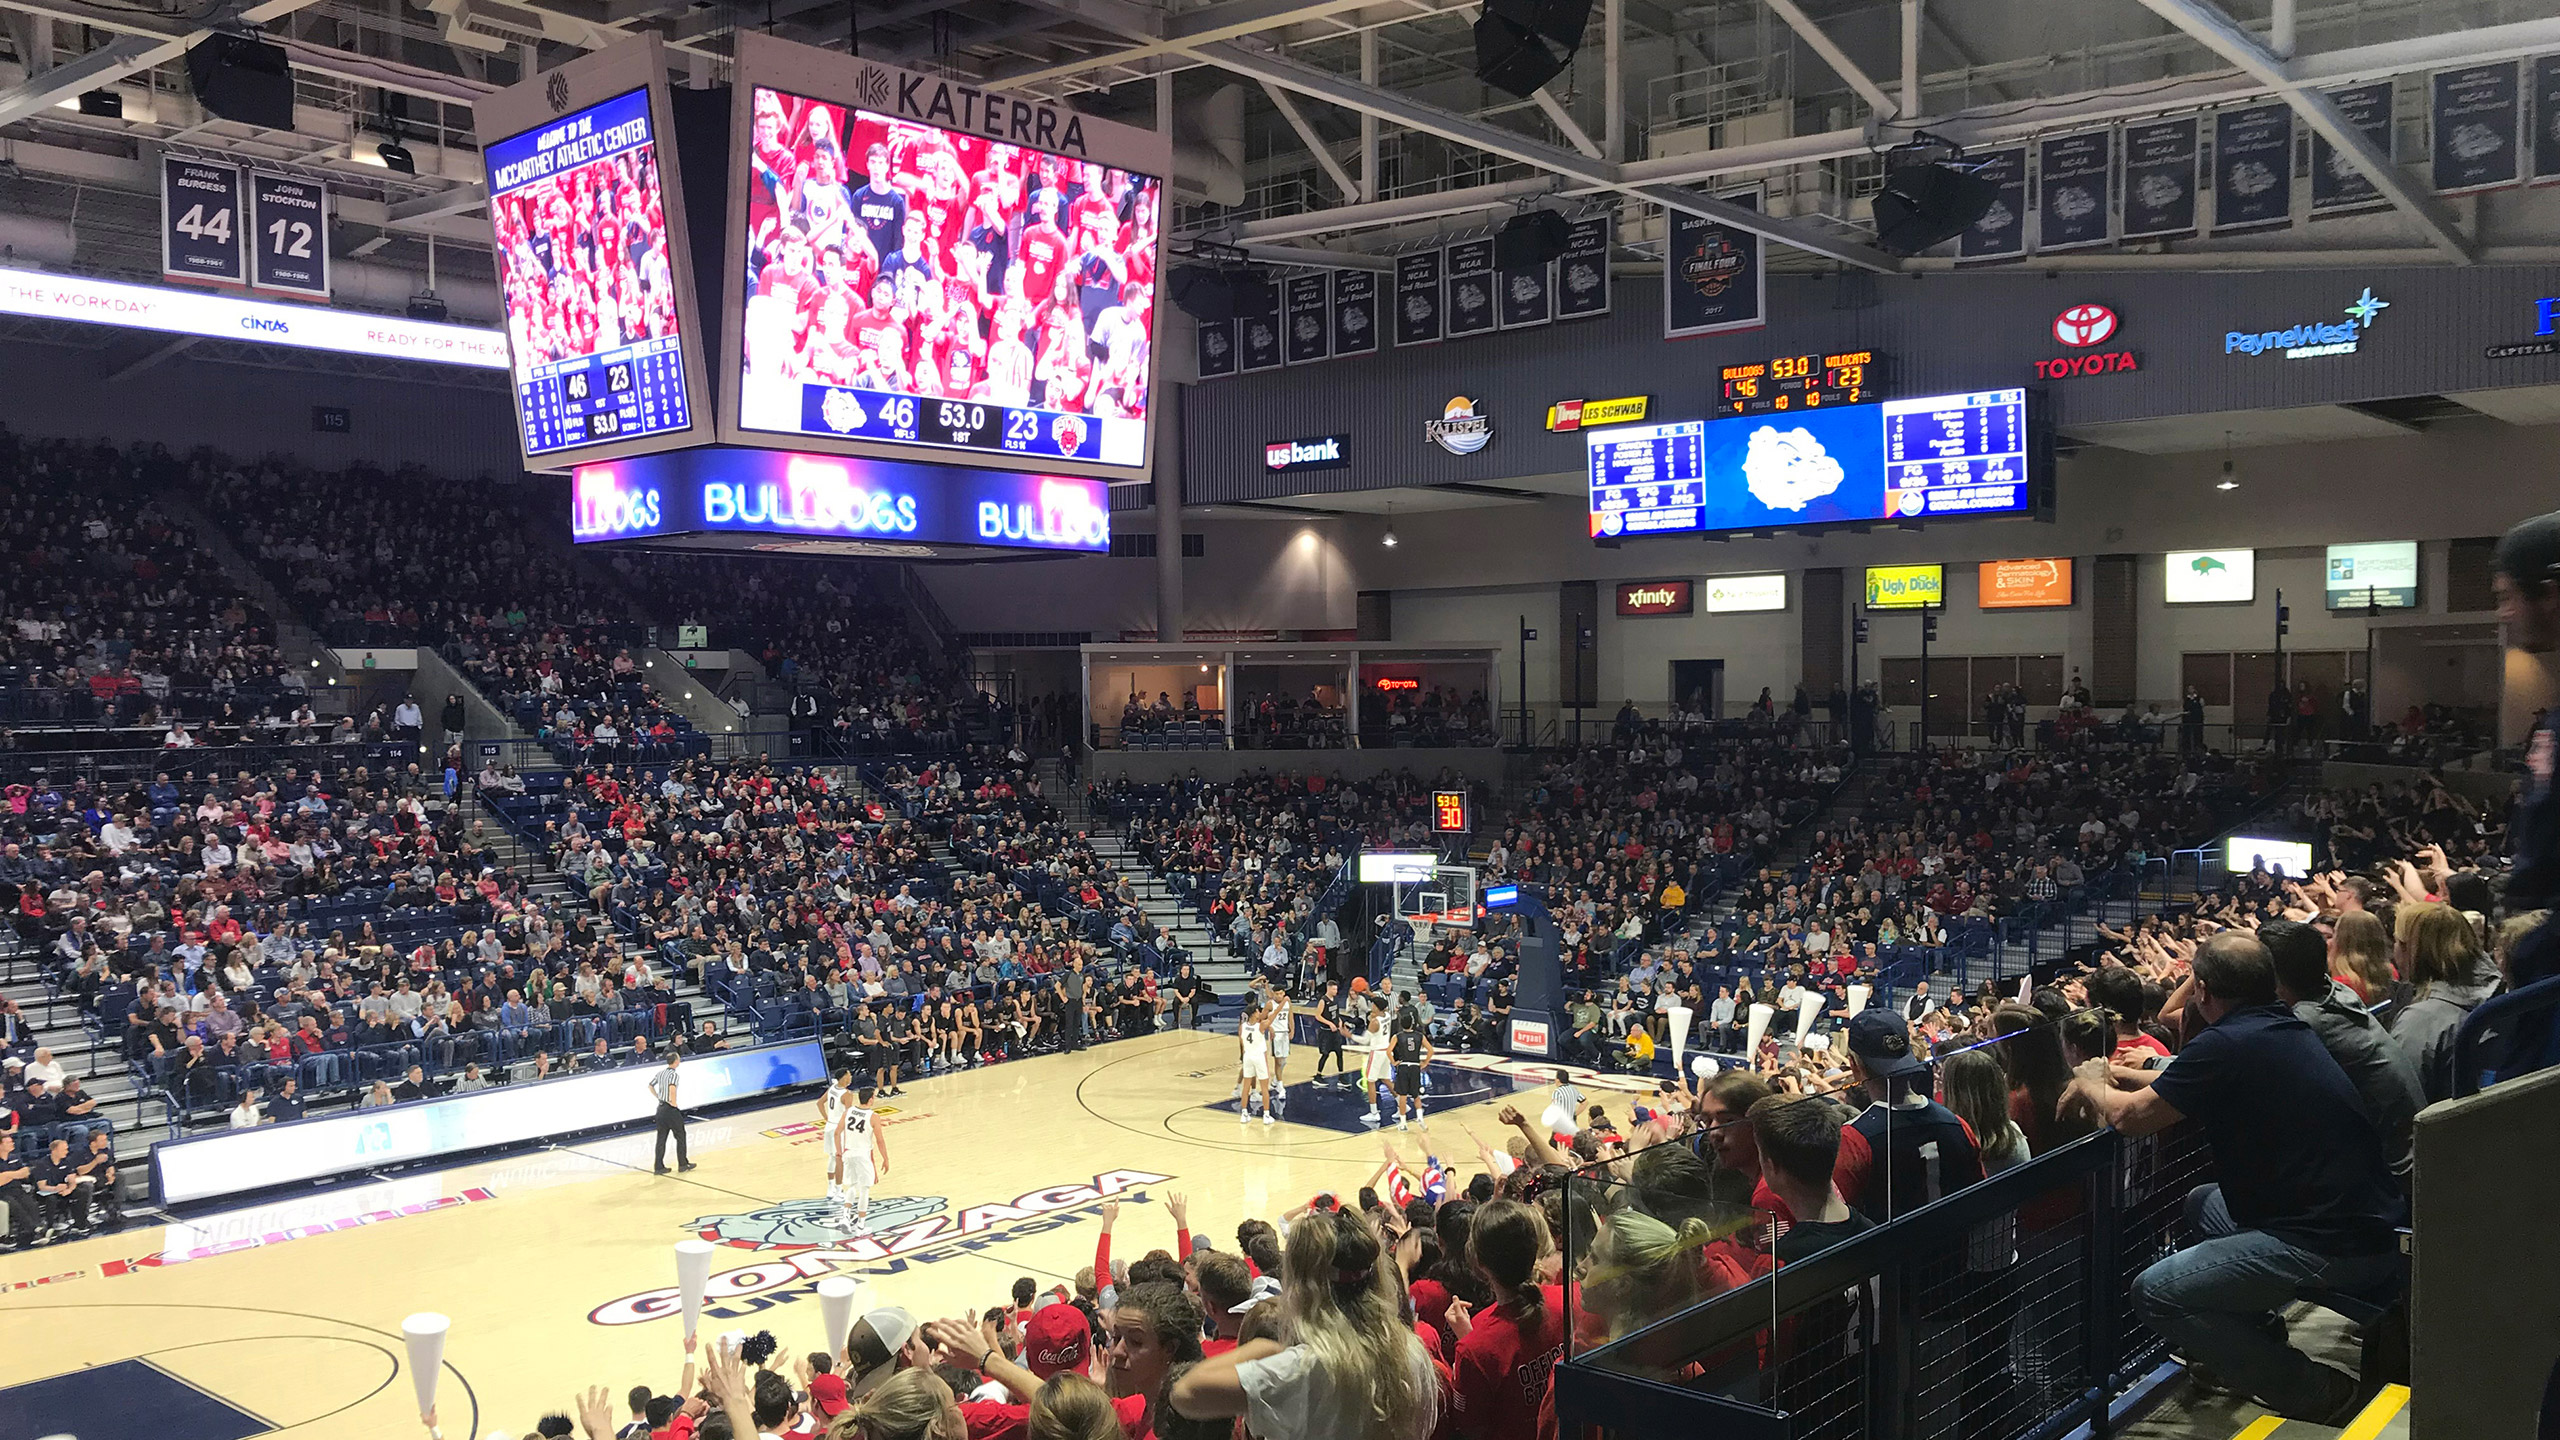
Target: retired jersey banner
[2073, 193]
[2337, 186]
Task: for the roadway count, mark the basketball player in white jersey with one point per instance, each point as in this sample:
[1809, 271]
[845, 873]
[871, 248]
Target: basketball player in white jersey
[831, 1108]
[1377, 1069]
[864, 1158]
[1279, 1017]
[1253, 1064]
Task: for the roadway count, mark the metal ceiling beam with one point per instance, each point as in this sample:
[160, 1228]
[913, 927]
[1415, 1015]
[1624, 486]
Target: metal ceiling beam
[105, 65]
[2217, 32]
[134, 50]
[1352, 95]
[1833, 56]
[1307, 136]
[1565, 125]
[1217, 22]
[443, 202]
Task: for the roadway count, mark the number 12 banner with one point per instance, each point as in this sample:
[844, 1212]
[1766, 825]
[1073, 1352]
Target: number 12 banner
[289, 243]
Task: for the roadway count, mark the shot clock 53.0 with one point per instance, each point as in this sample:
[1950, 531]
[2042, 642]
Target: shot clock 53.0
[1801, 382]
[581, 236]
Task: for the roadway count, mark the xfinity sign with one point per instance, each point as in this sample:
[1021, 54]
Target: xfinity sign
[1324, 452]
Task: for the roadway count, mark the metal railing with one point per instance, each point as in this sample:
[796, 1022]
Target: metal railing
[2001, 1312]
[117, 765]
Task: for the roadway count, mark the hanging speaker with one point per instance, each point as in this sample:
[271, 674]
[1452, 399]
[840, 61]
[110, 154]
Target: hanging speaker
[1202, 292]
[1925, 205]
[242, 79]
[1255, 292]
[1512, 58]
[1560, 21]
[1529, 240]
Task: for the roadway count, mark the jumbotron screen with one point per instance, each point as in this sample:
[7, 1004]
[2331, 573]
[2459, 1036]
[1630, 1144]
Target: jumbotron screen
[909, 284]
[580, 230]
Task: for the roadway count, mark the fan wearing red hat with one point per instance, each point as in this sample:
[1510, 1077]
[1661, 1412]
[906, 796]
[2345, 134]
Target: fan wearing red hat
[1056, 1340]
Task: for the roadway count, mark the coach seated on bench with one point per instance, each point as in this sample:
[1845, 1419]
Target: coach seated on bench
[2306, 1200]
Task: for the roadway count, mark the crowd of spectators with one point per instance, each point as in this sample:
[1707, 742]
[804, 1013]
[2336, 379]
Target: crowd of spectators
[837, 635]
[116, 619]
[1419, 716]
[407, 557]
[1260, 859]
[256, 944]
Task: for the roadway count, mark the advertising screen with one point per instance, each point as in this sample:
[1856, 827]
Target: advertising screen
[943, 283]
[1940, 456]
[580, 222]
[243, 1160]
[846, 499]
[2023, 584]
[2383, 574]
[2212, 577]
[225, 317]
[2241, 853]
[1392, 867]
[1906, 587]
[1738, 594]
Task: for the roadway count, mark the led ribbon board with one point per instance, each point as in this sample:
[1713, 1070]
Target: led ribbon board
[836, 498]
[225, 317]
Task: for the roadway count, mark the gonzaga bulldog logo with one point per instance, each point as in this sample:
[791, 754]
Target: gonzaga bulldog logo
[793, 1246]
[808, 1224]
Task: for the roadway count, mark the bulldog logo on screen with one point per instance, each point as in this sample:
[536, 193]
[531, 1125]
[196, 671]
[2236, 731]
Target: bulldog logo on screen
[843, 412]
[807, 1224]
[1789, 469]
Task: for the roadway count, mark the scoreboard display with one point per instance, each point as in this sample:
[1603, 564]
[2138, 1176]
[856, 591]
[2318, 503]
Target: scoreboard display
[1449, 813]
[581, 237]
[1801, 382]
[587, 226]
[922, 270]
[1921, 458]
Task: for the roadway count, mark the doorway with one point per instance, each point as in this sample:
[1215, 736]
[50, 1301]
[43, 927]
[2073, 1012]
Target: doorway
[1698, 685]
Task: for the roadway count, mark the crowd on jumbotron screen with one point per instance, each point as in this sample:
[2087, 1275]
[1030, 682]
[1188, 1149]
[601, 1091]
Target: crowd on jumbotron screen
[583, 256]
[905, 258]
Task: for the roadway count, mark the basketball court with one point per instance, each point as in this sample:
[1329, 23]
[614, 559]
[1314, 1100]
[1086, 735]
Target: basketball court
[557, 1269]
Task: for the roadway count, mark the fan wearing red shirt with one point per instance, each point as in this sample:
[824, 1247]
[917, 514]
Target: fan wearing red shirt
[1056, 1340]
[1507, 1353]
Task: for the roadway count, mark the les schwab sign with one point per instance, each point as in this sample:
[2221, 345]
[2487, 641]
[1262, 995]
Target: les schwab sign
[1656, 597]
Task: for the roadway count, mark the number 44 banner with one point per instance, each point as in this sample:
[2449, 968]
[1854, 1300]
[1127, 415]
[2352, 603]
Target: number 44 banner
[200, 221]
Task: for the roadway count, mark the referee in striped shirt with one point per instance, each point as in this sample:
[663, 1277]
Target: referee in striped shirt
[670, 1119]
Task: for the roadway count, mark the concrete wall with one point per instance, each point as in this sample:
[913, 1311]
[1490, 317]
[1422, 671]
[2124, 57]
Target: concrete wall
[2484, 1309]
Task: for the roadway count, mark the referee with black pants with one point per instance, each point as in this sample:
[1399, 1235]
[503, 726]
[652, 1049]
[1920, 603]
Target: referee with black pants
[1071, 1013]
[670, 1119]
